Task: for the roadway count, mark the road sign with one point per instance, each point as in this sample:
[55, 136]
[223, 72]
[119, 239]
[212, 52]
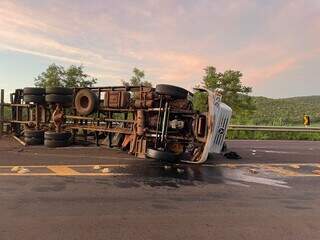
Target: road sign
[306, 120]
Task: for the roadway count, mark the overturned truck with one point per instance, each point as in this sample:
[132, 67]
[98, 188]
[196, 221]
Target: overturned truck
[157, 123]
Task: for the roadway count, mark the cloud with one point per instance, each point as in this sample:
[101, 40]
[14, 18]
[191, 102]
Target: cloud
[171, 40]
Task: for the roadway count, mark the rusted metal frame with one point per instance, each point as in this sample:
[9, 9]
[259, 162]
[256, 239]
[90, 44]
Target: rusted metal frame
[101, 129]
[172, 111]
[18, 116]
[18, 105]
[22, 122]
[117, 88]
[1, 112]
[37, 117]
[166, 128]
[164, 122]
[19, 141]
[158, 122]
[153, 135]
[119, 110]
[99, 119]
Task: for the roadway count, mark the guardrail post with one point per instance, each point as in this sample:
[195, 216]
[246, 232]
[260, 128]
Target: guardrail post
[1, 111]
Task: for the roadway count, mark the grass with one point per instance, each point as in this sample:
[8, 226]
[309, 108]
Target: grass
[259, 135]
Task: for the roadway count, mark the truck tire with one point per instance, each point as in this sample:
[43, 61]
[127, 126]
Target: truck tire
[161, 155]
[34, 99]
[62, 99]
[56, 143]
[33, 141]
[59, 91]
[57, 136]
[85, 102]
[34, 134]
[172, 91]
[33, 91]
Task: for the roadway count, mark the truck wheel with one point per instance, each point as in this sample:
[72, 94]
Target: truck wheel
[34, 134]
[57, 136]
[85, 102]
[59, 91]
[33, 91]
[34, 99]
[33, 141]
[62, 99]
[172, 91]
[161, 155]
[56, 143]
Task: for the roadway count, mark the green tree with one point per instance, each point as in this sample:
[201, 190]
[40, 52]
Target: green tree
[52, 77]
[58, 76]
[235, 94]
[75, 77]
[137, 79]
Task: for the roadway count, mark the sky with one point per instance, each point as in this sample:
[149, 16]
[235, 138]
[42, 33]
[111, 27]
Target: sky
[274, 43]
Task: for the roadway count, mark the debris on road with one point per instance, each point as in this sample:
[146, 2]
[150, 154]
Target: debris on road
[23, 171]
[232, 155]
[316, 172]
[253, 170]
[16, 169]
[295, 166]
[105, 170]
[96, 167]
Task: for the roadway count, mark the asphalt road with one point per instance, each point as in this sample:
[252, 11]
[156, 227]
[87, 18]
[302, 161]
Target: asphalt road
[89, 193]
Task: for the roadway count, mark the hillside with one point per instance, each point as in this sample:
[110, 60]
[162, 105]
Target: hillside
[285, 111]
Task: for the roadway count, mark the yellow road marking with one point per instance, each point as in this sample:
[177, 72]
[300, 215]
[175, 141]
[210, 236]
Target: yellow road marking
[63, 170]
[67, 165]
[71, 170]
[54, 174]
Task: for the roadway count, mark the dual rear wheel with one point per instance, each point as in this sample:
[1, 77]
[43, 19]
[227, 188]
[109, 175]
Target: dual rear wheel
[49, 139]
[54, 139]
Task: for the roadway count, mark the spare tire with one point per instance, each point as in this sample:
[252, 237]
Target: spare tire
[34, 98]
[161, 155]
[33, 91]
[172, 91]
[57, 136]
[62, 99]
[85, 102]
[59, 91]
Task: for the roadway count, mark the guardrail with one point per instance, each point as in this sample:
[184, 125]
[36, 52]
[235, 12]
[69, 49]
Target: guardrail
[272, 128]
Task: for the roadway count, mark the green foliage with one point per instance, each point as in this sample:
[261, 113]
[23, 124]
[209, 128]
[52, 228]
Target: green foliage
[200, 101]
[7, 113]
[137, 79]
[279, 112]
[75, 77]
[235, 94]
[52, 77]
[58, 76]
[282, 112]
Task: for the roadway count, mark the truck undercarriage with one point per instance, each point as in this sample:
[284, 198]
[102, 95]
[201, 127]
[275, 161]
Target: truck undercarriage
[158, 122]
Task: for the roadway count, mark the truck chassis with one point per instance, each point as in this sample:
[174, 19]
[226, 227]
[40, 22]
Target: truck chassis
[149, 122]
